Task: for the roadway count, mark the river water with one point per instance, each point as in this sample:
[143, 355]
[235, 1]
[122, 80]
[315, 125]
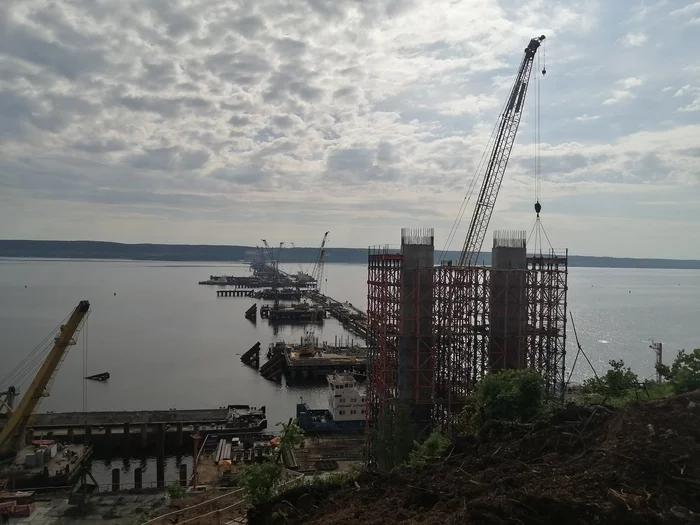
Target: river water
[171, 343]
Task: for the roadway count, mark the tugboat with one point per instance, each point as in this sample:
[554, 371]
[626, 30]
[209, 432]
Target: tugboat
[346, 408]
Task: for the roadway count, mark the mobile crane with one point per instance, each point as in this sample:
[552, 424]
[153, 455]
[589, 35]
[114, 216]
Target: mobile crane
[507, 128]
[12, 434]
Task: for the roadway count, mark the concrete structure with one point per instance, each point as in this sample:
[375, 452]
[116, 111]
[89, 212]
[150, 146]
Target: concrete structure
[415, 378]
[508, 308]
[434, 332]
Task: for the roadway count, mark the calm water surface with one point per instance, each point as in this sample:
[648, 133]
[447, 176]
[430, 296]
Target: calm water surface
[170, 343]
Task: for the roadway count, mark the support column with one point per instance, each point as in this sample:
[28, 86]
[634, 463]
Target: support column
[138, 477]
[116, 485]
[183, 475]
[179, 435]
[71, 435]
[144, 435]
[160, 456]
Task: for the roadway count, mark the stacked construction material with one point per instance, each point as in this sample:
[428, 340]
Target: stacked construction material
[222, 455]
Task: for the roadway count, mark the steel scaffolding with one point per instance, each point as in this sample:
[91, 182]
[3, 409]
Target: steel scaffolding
[482, 320]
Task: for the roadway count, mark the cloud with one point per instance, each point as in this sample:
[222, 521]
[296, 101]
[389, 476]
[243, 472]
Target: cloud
[634, 39]
[358, 117]
[623, 90]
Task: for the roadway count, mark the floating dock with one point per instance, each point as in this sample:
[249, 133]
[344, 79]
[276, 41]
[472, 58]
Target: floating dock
[299, 313]
[307, 362]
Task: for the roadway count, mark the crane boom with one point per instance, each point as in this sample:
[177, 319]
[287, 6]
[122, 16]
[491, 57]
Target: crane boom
[317, 272]
[498, 159]
[10, 436]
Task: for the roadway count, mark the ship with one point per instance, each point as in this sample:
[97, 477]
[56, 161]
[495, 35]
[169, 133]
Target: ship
[346, 408]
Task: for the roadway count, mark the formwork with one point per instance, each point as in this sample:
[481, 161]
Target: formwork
[482, 320]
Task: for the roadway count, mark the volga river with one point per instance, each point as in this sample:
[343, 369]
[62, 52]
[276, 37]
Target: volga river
[170, 343]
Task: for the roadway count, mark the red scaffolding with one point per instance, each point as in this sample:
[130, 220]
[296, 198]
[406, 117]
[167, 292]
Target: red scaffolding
[481, 320]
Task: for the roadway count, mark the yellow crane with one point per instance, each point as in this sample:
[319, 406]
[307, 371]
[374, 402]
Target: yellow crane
[12, 434]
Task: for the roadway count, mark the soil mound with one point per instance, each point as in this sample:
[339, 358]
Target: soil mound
[635, 465]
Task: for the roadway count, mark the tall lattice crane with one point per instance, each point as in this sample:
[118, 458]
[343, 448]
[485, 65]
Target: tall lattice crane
[498, 158]
[11, 434]
[317, 272]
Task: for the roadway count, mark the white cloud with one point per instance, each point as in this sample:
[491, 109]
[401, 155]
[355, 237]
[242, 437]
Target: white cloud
[623, 90]
[634, 39]
[205, 121]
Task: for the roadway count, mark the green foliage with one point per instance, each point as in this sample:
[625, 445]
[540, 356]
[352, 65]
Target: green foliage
[292, 435]
[616, 383]
[684, 373]
[176, 491]
[432, 448]
[509, 395]
[259, 481]
[392, 442]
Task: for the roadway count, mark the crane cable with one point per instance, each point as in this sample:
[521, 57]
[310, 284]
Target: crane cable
[33, 360]
[474, 180]
[537, 229]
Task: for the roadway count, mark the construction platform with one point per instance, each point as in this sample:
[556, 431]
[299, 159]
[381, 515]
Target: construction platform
[307, 361]
[352, 318]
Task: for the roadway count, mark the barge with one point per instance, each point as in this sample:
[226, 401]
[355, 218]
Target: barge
[346, 409]
[297, 313]
[46, 463]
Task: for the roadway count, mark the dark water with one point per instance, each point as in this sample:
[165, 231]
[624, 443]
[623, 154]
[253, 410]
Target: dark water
[170, 343]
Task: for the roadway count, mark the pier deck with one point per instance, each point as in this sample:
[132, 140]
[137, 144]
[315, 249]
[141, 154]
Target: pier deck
[119, 418]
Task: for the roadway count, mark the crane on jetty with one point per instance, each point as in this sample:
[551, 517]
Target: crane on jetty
[12, 434]
[317, 272]
[506, 130]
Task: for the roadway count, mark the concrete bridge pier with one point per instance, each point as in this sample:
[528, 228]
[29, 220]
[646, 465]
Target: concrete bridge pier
[144, 435]
[138, 478]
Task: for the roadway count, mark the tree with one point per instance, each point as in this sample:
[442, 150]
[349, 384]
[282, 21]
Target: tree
[259, 481]
[616, 382]
[508, 395]
[684, 372]
[292, 435]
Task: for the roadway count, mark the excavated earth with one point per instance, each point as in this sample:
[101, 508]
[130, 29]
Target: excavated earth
[635, 465]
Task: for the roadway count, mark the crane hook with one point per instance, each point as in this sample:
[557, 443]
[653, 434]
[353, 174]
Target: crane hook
[544, 71]
[538, 208]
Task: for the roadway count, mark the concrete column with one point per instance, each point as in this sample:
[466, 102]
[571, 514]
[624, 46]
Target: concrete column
[71, 435]
[116, 485]
[88, 434]
[183, 475]
[160, 456]
[108, 434]
[179, 435]
[508, 305]
[138, 477]
[144, 435]
[416, 325]
[29, 436]
[127, 429]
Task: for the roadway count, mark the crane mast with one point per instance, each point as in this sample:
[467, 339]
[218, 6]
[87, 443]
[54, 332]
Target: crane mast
[11, 434]
[317, 272]
[498, 158]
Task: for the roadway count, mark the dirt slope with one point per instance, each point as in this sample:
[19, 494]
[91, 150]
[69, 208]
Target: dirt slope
[636, 465]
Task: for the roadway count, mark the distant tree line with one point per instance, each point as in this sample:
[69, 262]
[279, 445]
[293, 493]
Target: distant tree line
[221, 253]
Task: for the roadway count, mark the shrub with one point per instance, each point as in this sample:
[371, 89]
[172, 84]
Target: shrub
[684, 373]
[259, 481]
[616, 382]
[509, 395]
[432, 448]
[176, 491]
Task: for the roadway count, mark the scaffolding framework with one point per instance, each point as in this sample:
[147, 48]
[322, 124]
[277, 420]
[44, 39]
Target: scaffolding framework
[482, 320]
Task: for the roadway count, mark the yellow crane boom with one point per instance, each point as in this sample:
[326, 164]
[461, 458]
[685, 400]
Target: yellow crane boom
[12, 432]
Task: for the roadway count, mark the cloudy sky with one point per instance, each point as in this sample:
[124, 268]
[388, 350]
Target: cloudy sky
[224, 121]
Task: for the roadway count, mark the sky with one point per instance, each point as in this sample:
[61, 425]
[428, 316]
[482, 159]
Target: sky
[224, 122]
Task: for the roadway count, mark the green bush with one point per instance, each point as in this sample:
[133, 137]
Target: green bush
[617, 382]
[176, 491]
[509, 395]
[292, 435]
[259, 481]
[684, 373]
[432, 448]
